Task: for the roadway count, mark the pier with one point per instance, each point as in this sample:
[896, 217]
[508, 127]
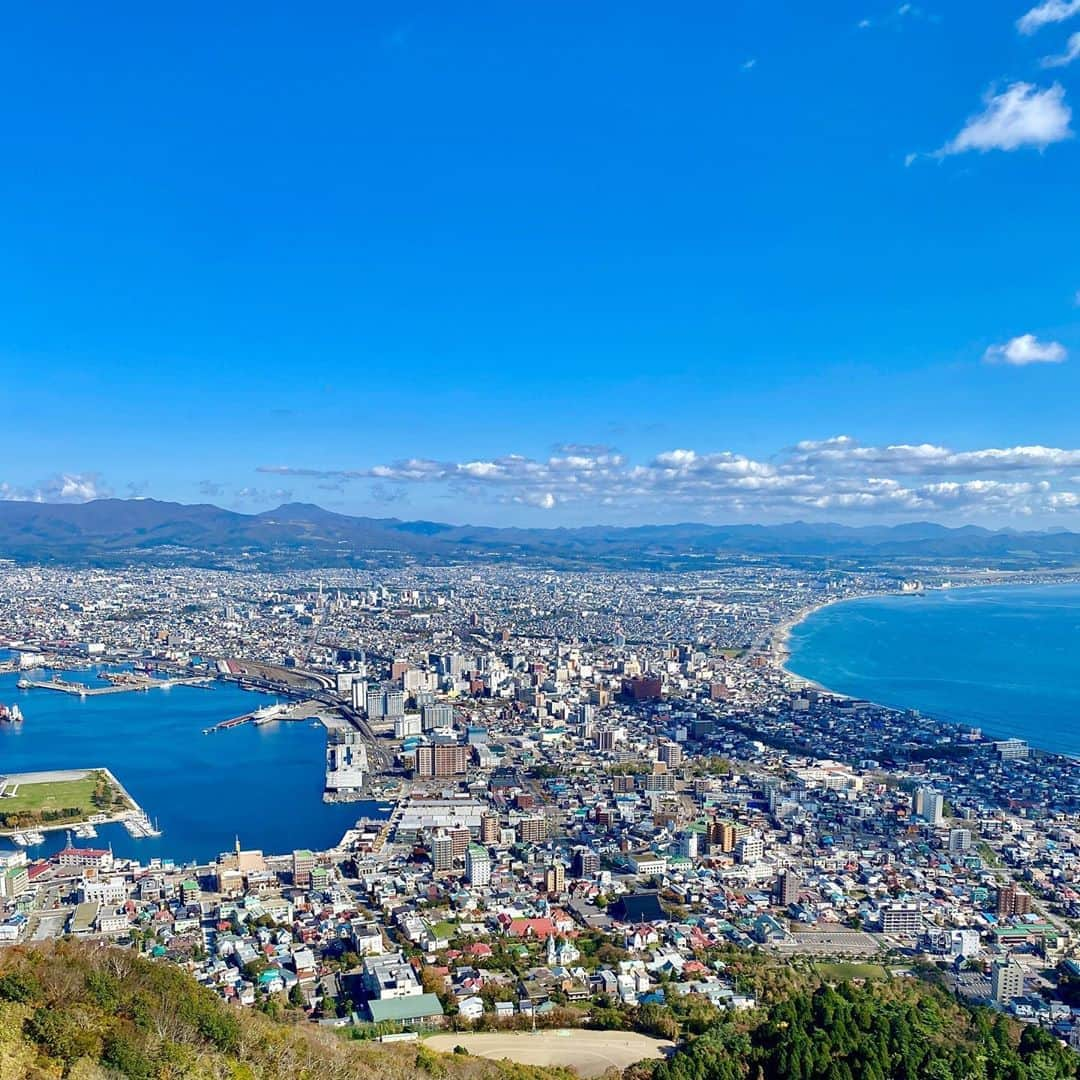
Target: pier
[303, 710]
[127, 686]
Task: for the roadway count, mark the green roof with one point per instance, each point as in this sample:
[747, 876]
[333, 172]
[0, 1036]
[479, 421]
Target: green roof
[84, 916]
[417, 1007]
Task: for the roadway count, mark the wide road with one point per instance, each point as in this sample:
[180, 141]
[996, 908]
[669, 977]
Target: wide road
[592, 1053]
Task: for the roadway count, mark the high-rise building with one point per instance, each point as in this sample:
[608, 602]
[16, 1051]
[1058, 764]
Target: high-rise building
[660, 781]
[442, 759]
[1006, 979]
[489, 828]
[395, 702]
[788, 885]
[1012, 750]
[532, 830]
[442, 852]
[904, 919]
[1012, 900]
[555, 878]
[670, 753]
[929, 805]
[460, 837]
[376, 703]
[750, 849]
[477, 865]
[440, 715]
[303, 862]
[359, 694]
[959, 841]
[406, 725]
[722, 835]
[585, 864]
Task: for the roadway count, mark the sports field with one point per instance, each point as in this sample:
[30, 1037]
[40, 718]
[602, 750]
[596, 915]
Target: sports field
[592, 1053]
[43, 797]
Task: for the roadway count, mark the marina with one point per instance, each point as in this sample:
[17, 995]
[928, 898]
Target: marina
[264, 781]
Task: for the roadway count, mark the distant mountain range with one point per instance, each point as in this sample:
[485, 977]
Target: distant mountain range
[300, 535]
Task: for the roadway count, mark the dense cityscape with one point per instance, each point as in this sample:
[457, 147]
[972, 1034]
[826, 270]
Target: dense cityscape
[595, 793]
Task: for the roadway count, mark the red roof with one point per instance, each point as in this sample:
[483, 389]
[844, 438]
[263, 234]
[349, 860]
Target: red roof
[540, 928]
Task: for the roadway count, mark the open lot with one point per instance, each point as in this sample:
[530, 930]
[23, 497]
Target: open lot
[842, 972]
[592, 1053]
[41, 796]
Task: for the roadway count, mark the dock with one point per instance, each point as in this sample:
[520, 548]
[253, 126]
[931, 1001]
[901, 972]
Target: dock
[65, 686]
[303, 710]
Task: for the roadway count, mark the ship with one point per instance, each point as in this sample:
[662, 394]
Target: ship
[267, 713]
[10, 714]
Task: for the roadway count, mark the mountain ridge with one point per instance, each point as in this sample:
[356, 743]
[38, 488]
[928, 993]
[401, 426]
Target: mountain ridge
[117, 531]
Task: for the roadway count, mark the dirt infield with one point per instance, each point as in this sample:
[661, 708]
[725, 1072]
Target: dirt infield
[590, 1052]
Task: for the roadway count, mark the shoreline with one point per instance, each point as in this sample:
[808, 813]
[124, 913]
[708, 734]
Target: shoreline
[778, 654]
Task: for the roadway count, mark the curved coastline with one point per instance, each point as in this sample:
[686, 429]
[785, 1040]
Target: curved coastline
[779, 653]
[779, 656]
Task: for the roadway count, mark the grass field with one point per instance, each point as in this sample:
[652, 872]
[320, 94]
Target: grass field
[842, 972]
[43, 802]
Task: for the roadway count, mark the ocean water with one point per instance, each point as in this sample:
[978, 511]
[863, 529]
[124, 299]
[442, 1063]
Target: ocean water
[1005, 659]
[261, 784]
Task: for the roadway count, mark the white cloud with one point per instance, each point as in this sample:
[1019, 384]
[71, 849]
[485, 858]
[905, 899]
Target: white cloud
[1026, 349]
[835, 475]
[1050, 11]
[750, 64]
[1020, 116]
[1071, 53]
[63, 487]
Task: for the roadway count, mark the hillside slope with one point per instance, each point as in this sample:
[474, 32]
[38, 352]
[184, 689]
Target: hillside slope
[71, 1010]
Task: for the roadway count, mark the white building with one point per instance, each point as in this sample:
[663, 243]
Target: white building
[477, 865]
[1006, 980]
[390, 976]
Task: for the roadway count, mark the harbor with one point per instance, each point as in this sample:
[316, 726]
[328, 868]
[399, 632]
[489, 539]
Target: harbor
[269, 777]
[118, 683]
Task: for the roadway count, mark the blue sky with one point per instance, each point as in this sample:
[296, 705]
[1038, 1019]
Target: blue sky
[546, 263]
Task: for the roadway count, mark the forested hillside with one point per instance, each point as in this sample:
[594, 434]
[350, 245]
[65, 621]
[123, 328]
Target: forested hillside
[900, 1030]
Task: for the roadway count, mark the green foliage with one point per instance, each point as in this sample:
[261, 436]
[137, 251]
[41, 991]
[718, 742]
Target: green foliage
[879, 1033]
[123, 1052]
[62, 1034]
[78, 1010]
[20, 986]
[657, 1020]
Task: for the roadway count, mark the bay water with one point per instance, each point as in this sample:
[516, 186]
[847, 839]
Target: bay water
[1005, 659]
